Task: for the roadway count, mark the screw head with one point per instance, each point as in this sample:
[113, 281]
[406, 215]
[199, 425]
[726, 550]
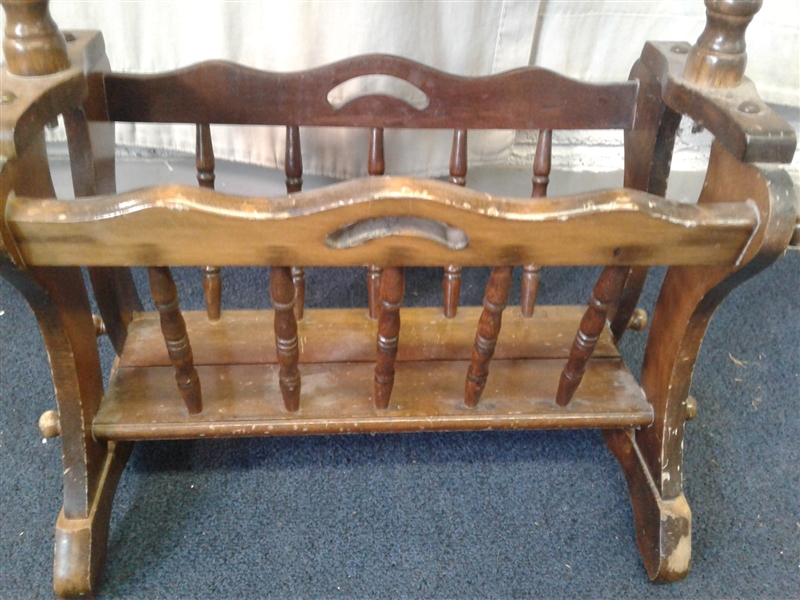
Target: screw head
[7, 97]
[749, 107]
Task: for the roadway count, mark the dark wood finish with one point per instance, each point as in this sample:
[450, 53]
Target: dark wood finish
[60, 303]
[293, 160]
[494, 302]
[718, 58]
[737, 116]
[204, 156]
[541, 163]
[191, 95]
[91, 152]
[32, 45]
[743, 221]
[663, 525]
[648, 158]
[212, 291]
[451, 283]
[282, 294]
[205, 164]
[165, 296]
[652, 459]
[391, 296]
[451, 289]
[141, 403]
[293, 168]
[531, 274]
[606, 294]
[376, 162]
[376, 165]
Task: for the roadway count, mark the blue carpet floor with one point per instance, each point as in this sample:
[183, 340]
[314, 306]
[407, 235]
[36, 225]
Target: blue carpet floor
[487, 515]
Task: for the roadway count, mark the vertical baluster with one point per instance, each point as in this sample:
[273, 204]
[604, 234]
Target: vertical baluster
[282, 293]
[165, 296]
[494, 302]
[293, 167]
[541, 179]
[375, 166]
[451, 284]
[204, 160]
[391, 298]
[606, 294]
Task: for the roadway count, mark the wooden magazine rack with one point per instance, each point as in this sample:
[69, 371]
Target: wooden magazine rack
[293, 372]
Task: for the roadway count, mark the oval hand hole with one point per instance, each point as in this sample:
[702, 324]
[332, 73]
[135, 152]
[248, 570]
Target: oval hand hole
[370, 85]
[361, 232]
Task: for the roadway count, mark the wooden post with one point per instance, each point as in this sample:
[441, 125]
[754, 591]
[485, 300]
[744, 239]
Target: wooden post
[205, 164]
[494, 303]
[718, 58]
[451, 284]
[33, 45]
[376, 165]
[541, 179]
[293, 168]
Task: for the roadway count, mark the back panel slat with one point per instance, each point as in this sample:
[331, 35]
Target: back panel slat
[227, 93]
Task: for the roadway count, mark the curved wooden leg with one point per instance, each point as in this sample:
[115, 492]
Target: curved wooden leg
[80, 546]
[652, 458]
[663, 526]
[90, 468]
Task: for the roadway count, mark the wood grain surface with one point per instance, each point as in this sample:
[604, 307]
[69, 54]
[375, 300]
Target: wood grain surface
[159, 226]
[348, 335]
[245, 400]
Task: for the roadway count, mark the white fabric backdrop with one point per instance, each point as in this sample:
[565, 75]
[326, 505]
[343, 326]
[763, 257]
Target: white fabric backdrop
[595, 40]
[468, 38]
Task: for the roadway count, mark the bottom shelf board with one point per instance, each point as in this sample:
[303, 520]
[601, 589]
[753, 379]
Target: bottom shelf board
[244, 400]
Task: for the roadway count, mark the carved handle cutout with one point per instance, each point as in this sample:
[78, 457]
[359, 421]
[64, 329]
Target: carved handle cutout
[361, 232]
[372, 85]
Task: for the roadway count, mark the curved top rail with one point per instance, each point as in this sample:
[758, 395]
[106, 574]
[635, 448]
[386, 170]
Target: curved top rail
[229, 93]
[440, 223]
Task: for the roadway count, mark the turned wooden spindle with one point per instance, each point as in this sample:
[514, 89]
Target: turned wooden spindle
[451, 284]
[282, 293]
[718, 58]
[33, 44]
[494, 302]
[391, 298]
[293, 168]
[375, 166]
[205, 163]
[531, 274]
[606, 294]
[173, 327]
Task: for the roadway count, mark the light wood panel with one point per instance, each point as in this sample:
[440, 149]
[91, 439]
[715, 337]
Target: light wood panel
[159, 226]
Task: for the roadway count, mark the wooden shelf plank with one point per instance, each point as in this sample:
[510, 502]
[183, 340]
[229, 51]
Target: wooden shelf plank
[348, 335]
[244, 400]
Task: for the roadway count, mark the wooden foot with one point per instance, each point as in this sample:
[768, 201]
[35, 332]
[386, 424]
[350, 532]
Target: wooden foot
[80, 547]
[663, 526]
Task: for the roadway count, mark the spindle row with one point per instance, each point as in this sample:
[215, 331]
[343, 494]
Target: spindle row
[376, 165]
[385, 289]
